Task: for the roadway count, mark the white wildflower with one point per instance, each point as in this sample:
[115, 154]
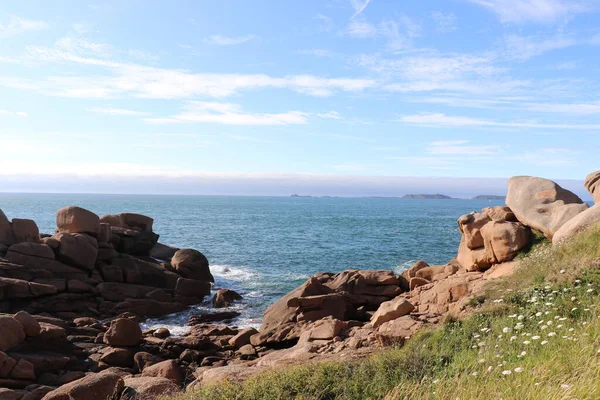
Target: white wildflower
[506, 372]
[519, 369]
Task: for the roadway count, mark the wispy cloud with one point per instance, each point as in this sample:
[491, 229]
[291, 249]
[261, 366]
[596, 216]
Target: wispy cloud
[525, 47]
[118, 111]
[221, 40]
[446, 22]
[440, 120]
[229, 114]
[16, 26]
[540, 11]
[136, 80]
[317, 52]
[399, 32]
[461, 148]
[21, 114]
[358, 6]
[548, 157]
[329, 115]
[327, 23]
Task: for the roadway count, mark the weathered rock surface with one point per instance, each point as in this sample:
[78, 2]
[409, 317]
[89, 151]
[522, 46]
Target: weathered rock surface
[490, 237]
[390, 310]
[542, 204]
[123, 332]
[92, 387]
[74, 219]
[77, 249]
[192, 264]
[224, 298]
[578, 224]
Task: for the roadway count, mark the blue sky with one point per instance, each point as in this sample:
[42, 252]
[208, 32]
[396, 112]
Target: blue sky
[240, 96]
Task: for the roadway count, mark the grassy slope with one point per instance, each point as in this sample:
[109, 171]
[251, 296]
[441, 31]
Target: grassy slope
[554, 295]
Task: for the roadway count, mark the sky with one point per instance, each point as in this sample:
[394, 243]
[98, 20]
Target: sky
[323, 97]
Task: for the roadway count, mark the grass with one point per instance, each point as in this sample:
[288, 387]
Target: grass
[534, 335]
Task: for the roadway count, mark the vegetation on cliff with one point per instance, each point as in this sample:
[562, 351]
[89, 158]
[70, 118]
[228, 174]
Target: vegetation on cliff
[534, 335]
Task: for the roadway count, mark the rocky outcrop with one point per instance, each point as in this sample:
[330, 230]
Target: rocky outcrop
[491, 237]
[542, 204]
[74, 219]
[225, 297]
[192, 264]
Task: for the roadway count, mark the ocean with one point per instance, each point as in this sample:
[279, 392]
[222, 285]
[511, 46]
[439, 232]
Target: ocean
[263, 247]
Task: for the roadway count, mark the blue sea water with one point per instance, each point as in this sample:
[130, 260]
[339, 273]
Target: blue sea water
[263, 247]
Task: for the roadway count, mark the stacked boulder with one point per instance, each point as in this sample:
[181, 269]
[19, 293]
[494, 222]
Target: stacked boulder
[96, 266]
[491, 237]
[542, 204]
[349, 295]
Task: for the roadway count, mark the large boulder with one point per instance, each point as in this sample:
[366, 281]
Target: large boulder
[29, 249]
[104, 386]
[138, 222]
[224, 298]
[25, 230]
[577, 224]
[11, 333]
[123, 332]
[542, 204]
[592, 184]
[192, 264]
[165, 369]
[74, 219]
[504, 240]
[77, 249]
[31, 326]
[470, 226]
[390, 310]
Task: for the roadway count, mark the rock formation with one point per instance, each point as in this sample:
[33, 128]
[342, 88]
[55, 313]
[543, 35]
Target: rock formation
[542, 204]
[71, 303]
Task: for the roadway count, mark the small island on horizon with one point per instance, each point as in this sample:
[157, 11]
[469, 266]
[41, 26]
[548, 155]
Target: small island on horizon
[489, 197]
[436, 196]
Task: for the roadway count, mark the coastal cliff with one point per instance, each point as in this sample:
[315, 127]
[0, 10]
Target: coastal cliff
[73, 301]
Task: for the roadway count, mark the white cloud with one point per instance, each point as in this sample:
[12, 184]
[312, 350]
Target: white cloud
[540, 11]
[117, 111]
[221, 40]
[135, 80]
[460, 148]
[399, 32]
[22, 114]
[446, 22]
[316, 52]
[525, 47]
[440, 120]
[359, 6]
[229, 114]
[592, 108]
[16, 26]
[361, 29]
[82, 47]
[329, 115]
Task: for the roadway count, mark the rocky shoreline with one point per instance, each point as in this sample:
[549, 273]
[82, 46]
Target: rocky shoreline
[71, 303]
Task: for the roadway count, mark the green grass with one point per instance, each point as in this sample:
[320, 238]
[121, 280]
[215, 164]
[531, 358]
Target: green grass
[554, 295]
